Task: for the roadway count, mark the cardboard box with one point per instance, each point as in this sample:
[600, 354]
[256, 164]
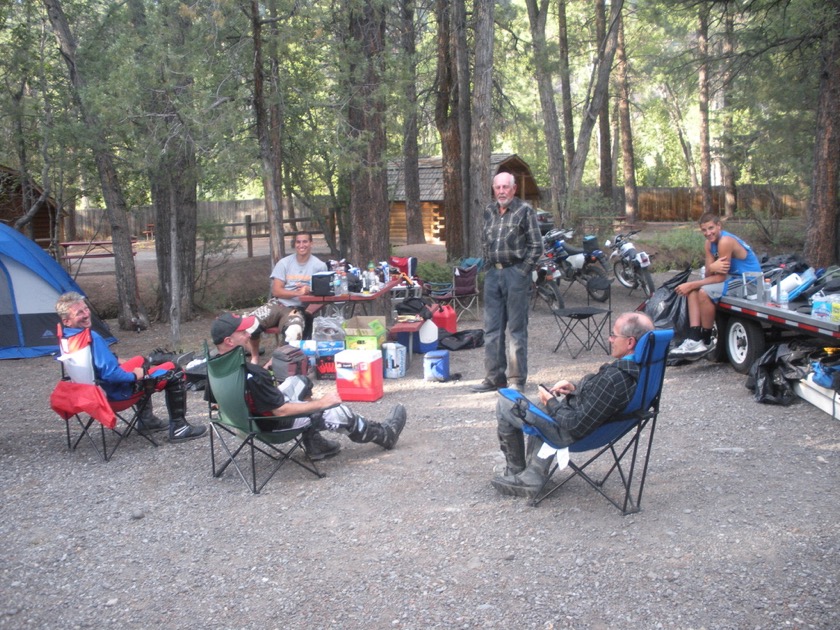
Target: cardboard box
[358, 375]
[329, 347]
[325, 367]
[364, 333]
[325, 359]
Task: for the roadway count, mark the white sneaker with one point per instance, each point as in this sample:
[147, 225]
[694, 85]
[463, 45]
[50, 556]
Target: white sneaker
[689, 346]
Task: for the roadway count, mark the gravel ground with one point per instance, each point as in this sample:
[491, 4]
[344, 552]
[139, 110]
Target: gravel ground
[738, 528]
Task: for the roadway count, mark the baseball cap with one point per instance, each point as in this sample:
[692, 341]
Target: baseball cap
[227, 323]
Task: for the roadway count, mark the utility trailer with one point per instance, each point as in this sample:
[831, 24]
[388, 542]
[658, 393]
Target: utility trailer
[745, 326]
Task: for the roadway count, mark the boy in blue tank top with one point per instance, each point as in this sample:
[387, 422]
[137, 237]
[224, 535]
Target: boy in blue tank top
[727, 257]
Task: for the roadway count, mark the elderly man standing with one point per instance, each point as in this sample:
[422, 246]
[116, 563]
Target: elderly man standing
[512, 245]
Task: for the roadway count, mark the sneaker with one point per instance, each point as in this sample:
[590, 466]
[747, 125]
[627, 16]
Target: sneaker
[487, 386]
[318, 447]
[183, 431]
[689, 346]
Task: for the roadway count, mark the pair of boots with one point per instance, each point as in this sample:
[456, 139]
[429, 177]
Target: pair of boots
[176, 403]
[521, 478]
[359, 430]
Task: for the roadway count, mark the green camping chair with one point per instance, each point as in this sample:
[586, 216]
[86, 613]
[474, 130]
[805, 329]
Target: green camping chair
[230, 421]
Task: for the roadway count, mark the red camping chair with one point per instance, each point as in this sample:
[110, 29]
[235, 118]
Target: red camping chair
[78, 398]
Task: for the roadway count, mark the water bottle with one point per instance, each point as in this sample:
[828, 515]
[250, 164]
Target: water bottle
[783, 299]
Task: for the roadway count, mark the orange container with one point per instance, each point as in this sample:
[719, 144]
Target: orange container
[444, 316]
[358, 375]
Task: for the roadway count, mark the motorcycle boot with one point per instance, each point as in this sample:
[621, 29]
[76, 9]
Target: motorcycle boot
[148, 422]
[529, 481]
[176, 403]
[385, 435]
[512, 446]
[318, 447]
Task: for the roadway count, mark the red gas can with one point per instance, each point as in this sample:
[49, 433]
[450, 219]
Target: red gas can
[445, 317]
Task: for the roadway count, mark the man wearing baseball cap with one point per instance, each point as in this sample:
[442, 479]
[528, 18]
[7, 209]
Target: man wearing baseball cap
[293, 397]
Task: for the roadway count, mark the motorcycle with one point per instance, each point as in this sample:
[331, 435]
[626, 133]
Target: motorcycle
[577, 265]
[544, 285]
[632, 265]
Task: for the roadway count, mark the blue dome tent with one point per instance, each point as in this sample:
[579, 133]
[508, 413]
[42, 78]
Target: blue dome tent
[30, 283]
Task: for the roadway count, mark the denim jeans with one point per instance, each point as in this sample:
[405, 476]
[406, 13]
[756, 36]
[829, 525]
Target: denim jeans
[506, 311]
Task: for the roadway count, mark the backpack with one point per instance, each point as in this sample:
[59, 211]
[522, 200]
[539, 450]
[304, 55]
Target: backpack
[462, 340]
[414, 306]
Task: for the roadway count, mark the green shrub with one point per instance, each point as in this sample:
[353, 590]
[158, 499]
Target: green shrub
[434, 272]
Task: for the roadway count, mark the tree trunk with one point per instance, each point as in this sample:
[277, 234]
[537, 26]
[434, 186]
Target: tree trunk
[604, 142]
[369, 209]
[598, 85]
[131, 315]
[556, 166]
[565, 93]
[728, 170]
[447, 107]
[631, 197]
[173, 184]
[675, 113]
[462, 56]
[482, 118]
[703, 90]
[821, 237]
[271, 186]
[413, 215]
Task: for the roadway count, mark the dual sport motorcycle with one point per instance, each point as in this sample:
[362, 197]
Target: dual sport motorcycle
[631, 265]
[576, 265]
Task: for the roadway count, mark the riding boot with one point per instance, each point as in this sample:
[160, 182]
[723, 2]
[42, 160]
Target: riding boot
[318, 447]
[513, 447]
[529, 481]
[148, 421]
[176, 403]
[385, 434]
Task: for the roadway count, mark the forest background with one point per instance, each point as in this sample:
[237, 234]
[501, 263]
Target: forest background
[126, 104]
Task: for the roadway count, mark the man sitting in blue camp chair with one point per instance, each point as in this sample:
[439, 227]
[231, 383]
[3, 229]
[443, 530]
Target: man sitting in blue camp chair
[294, 398]
[577, 410]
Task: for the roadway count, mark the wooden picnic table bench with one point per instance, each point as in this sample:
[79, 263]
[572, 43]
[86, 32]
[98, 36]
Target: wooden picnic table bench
[92, 249]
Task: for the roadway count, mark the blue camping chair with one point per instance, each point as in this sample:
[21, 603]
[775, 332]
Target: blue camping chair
[641, 413]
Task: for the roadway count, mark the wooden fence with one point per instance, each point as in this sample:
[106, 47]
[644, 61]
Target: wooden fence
[655, 204]
[93, 222]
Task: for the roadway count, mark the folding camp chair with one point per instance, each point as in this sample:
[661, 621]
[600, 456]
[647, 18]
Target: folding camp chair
[461, 292]
[230, 421]
[77, 393]
[621, 437]
[588, 325]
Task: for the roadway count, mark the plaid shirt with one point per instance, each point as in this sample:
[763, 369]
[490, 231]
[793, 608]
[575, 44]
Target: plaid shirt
[511, 237]
[596, 398]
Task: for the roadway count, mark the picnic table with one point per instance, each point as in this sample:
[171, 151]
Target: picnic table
[314, 303]
[70, 250]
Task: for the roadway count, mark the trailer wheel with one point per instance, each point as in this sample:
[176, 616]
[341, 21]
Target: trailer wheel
[718, 353]
[744, 343]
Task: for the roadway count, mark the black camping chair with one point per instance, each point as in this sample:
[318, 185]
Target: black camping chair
[588, 325]
[618, 441]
